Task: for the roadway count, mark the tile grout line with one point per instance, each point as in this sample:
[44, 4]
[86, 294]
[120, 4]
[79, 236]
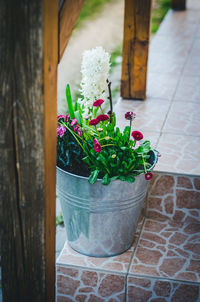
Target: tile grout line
[165, 279]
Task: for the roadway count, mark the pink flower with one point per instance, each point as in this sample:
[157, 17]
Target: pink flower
[76, 127]
[60, 116]
[60, 131]
[98, 103]
[95, 141]
[79, 132]
[130, 116]
[137, 135]
[97, 147]
[102, 117]
[93, 122]
[148, 175]
[66, 118]
[74, 121]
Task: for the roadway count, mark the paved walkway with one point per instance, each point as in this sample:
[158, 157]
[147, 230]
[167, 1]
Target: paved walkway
[106, 30]
[170, 116]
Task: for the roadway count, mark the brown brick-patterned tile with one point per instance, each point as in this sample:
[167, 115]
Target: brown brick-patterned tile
[151, 290]
[89, 285]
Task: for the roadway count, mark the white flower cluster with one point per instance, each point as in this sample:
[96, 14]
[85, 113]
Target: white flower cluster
[95, 67]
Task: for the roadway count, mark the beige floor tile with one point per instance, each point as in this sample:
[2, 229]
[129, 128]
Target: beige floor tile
[168, 63]
[179, 154]
[161, 85]
[150, 114]
[188, 90]
[183, 118]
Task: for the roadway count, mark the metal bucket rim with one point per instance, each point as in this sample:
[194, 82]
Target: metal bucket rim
[156, 153]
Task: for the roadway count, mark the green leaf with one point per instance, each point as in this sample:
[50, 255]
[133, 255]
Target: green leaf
[76, 106]
[102, 159]
[93, 176]
[69, 102]
[115, 177]
[126, 130]
[106, 180]
[130, 178]
[113, 120]
[86, 160]
[78, 117]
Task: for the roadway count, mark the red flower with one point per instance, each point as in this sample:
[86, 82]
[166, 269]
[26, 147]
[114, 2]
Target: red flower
[130, 116]
[148, 175]
[137, 135]
[74, 121]
[93, 122]
[79, 132]
[98, 103]
[102, 117]
[76, 127]
[97, 147]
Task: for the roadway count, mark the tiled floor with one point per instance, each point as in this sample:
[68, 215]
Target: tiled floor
[163, 263]
[173, 93]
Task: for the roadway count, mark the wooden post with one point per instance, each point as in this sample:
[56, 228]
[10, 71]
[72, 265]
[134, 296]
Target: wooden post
[137, 20]
[28, 81]
[68, 15]
[178, 4]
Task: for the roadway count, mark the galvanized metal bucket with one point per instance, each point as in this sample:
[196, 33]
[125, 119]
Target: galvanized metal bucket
[101, 220]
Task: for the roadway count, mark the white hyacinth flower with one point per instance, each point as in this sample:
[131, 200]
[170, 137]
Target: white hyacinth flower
[95, 68]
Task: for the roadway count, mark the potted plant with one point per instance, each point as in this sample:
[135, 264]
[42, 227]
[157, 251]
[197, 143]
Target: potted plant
[102, 173]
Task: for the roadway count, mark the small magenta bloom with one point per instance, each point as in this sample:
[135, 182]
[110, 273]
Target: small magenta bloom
[102, 117]
[74, 121]
[79, 132]
[60, 116]
[148, 175]
[95, 141]
[97, 147]
[66, 118]
[76, 127]
[137, 135]
[93, 122]
[60, 131]
[98, 103]
[130, 115]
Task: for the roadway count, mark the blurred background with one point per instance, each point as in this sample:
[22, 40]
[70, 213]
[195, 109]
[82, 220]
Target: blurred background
[106, 30]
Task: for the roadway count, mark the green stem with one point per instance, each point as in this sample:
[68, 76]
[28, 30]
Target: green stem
[130, 129]
[101, 110]
[144, 164]
[107, 145]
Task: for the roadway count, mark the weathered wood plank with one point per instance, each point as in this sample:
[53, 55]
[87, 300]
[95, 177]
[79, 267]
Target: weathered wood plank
[68, 16]
[178, 4]
[137, 20]
[50, 45]
[25, 163]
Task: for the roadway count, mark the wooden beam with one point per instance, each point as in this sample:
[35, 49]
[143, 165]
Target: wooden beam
[28, 79]
[178, 4]
[68, 16]
[50, 62]
[137, 20]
